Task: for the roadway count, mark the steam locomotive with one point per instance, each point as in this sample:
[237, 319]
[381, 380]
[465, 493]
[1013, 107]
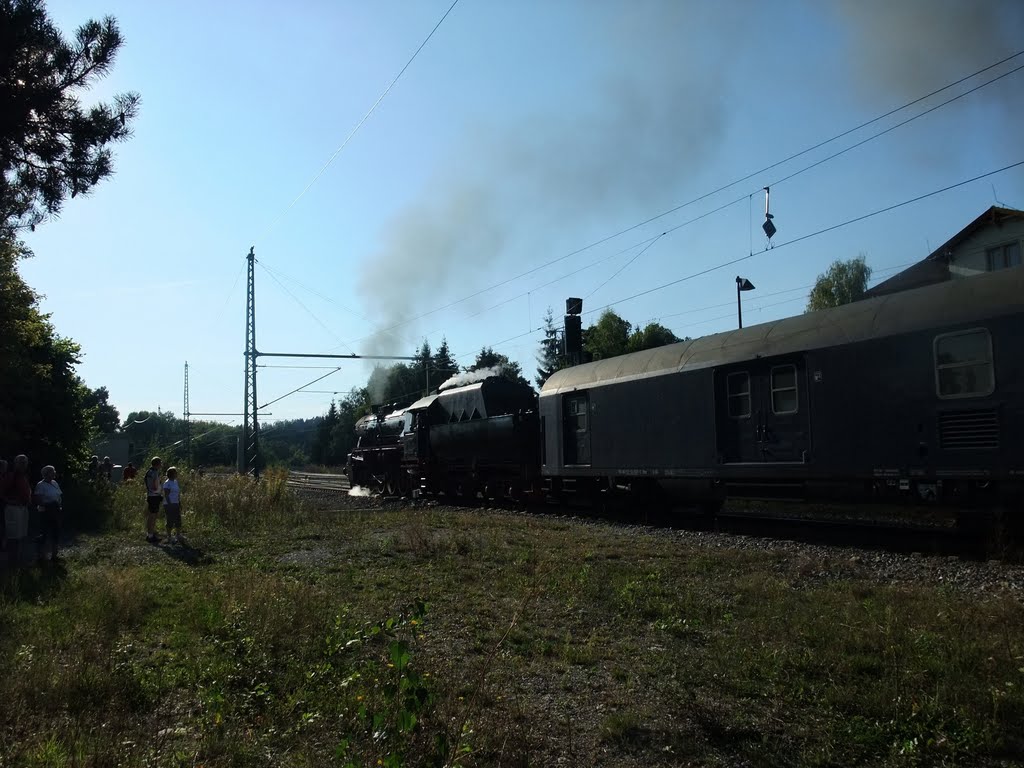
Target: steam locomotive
[917, 395]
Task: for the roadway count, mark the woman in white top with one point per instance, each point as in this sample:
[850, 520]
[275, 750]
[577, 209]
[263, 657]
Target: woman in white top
[49, 502]
[172, 504]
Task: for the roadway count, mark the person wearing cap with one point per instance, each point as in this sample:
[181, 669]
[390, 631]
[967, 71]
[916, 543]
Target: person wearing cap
[172, 505]
[153, 498]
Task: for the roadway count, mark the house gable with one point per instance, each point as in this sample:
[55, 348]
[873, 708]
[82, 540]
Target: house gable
[979, 247]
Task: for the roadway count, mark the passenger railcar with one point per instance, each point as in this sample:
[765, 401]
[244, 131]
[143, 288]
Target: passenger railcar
[918, 394]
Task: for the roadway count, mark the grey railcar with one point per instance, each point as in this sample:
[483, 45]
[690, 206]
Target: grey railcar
[918, 394]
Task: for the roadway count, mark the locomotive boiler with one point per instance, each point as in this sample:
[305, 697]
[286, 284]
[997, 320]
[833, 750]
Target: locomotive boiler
[478, 438]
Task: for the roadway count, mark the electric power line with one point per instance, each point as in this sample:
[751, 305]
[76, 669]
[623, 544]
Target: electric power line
[776, 247]
[739, 180]
[360, 123]
[812, 234]
[307, 310]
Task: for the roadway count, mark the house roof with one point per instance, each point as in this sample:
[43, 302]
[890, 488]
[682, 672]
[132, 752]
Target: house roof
[934, 267]
[945, 305]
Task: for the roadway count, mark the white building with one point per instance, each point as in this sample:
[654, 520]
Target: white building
[992, 241]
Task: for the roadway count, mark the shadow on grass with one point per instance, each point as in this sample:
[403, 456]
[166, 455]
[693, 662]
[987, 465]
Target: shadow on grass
[33, 583]
[185, 553]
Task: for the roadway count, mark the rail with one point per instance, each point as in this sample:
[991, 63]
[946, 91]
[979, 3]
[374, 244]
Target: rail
[314, 481]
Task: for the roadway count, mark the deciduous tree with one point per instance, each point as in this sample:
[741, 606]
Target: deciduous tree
[105, 418]
[43, 408]
[845, 281]
[608, 337]
[488, 358]
[650, 336]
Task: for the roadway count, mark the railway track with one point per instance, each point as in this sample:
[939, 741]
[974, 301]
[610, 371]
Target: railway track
[893, 537]
[319, 482]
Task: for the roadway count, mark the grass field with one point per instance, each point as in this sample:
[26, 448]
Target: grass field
[427, 637]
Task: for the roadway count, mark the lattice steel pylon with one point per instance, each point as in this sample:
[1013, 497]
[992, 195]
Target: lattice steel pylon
[251, 424]
[188, 424]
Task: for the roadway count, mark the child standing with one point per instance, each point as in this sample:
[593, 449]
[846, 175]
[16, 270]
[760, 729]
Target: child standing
[48, 498]
[172, 505]
[153, 496]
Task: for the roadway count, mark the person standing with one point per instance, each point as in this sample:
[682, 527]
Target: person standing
[129, 472]
[17, 495]
[48, 499]
[172, 505]
[3, 501]
[153, 498]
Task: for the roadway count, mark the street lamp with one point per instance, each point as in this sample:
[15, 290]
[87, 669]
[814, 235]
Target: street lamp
[742, 284]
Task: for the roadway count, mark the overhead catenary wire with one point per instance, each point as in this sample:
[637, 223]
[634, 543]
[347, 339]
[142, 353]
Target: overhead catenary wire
[739, 180]
[750, 255]
[621, 269]
[308, 311]
[731, 303]
[795, 240]
[812, 234]
[359, 125]
[286, 394]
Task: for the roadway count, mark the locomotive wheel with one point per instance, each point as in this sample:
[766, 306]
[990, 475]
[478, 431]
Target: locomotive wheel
[404, 486]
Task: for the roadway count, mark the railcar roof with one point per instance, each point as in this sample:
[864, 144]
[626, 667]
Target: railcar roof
[945, 304]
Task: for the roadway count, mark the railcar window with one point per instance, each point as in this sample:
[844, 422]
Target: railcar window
[738, 386]
[578, 413]
[784, 392]
[963, 364]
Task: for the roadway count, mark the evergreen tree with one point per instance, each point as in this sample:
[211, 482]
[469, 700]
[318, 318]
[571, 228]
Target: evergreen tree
[50, 146]
[551, 357]
[423, 365]
[320, 452]
[444, 365]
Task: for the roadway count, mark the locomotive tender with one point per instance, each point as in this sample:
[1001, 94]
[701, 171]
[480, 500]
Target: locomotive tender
[917, 394]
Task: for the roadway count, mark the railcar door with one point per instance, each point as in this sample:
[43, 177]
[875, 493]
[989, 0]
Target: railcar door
[737, 423]
[762, 413]
[784, 420]
[577, 429]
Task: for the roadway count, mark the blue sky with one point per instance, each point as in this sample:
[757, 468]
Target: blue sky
[522, 132]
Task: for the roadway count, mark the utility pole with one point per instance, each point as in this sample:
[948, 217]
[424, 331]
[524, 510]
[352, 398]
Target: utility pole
[188, 424]
[251, 425]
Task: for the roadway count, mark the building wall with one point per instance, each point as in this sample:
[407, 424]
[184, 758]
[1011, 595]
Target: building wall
[969, 257]
[119, 449]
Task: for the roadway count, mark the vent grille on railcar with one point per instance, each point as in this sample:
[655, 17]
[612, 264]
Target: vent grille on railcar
[969, 430]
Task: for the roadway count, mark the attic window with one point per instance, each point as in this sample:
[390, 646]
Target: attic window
[1003, 256]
